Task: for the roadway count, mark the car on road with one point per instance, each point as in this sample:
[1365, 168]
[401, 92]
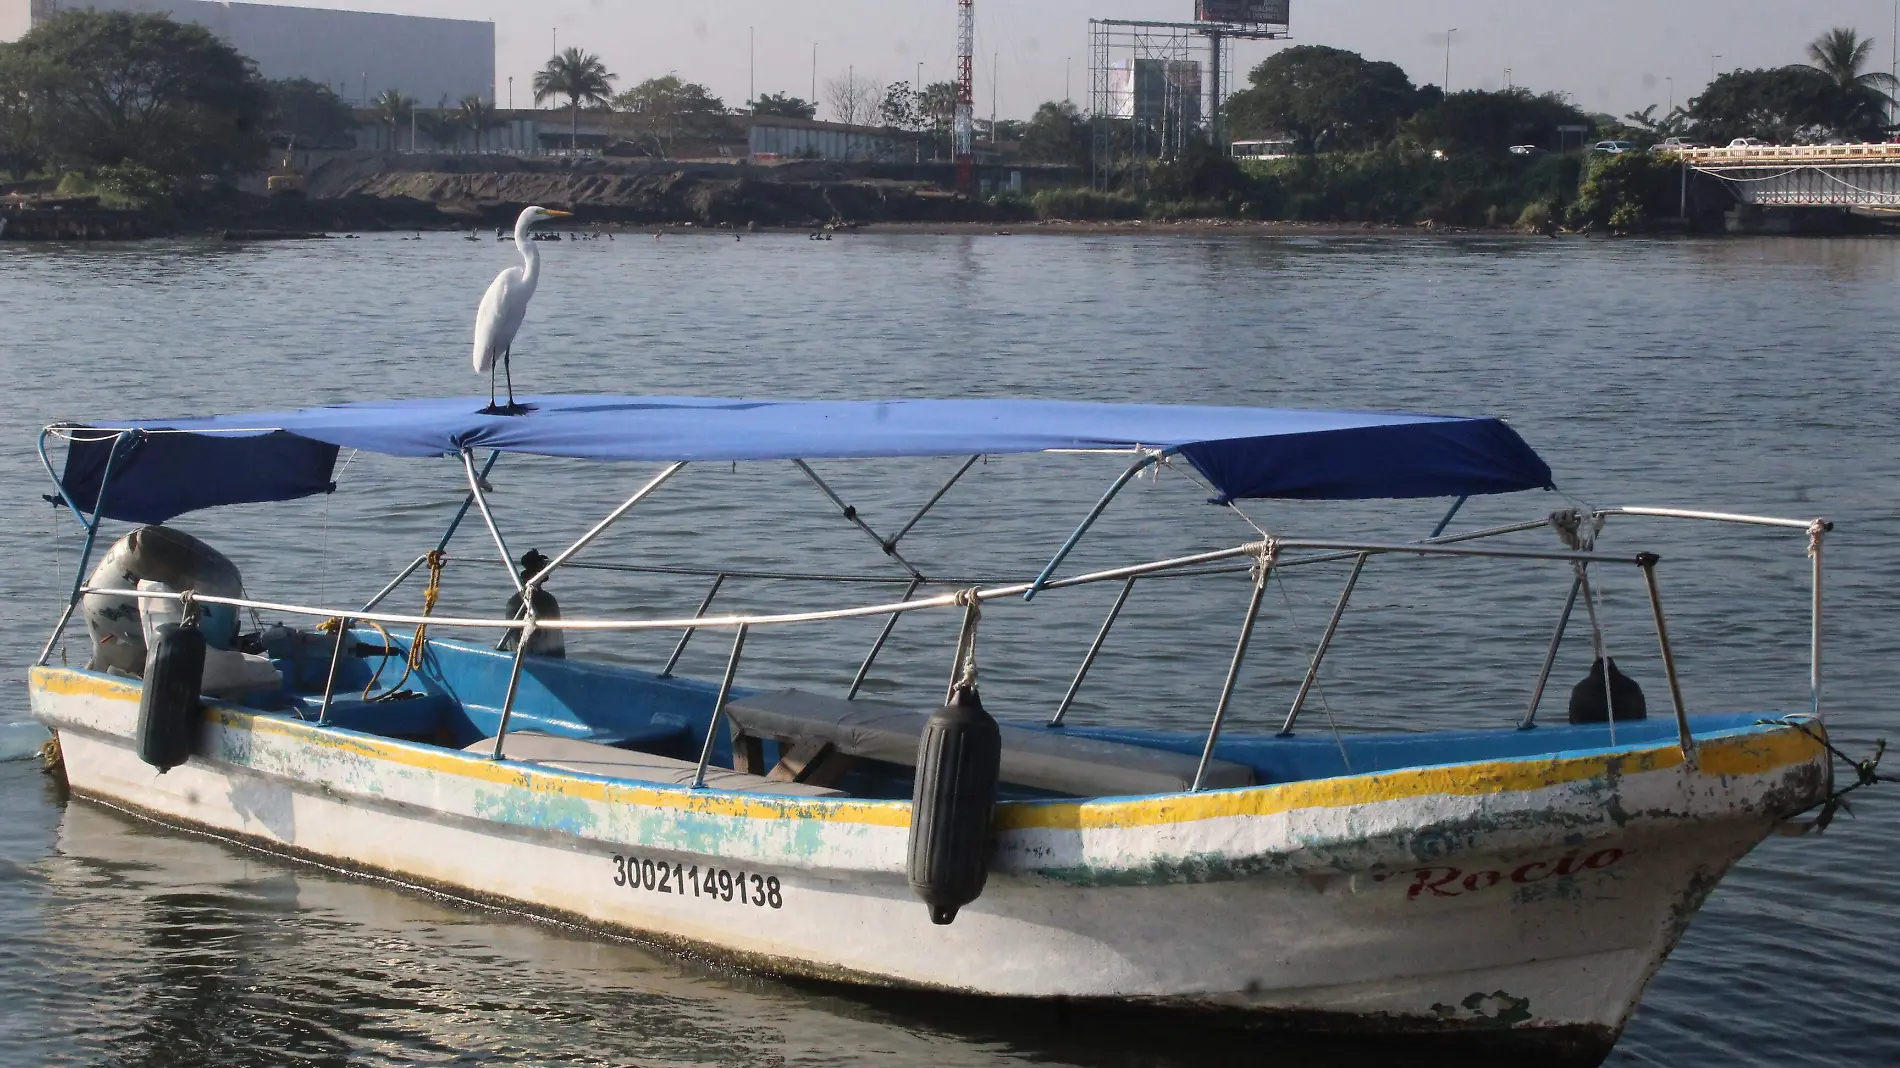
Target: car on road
[1613, 148]
[1675, 144]
[1748, 142]
[1528, 150]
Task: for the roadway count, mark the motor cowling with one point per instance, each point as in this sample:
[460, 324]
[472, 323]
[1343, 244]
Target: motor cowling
[167, 556]
[1590, 704]
[169, 712]
[959, 757]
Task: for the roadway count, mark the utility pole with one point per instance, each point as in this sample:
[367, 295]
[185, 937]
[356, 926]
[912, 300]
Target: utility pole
[1712, 60]
[963, 129]
[993, 62]
[511, 92]
[1448, 34]
[814, 76]
[751, 67]
[1672, 98]
[554, 40]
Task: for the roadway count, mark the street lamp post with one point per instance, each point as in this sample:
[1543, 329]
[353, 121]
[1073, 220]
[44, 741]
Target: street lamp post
[1712, 60]
[1448, 34]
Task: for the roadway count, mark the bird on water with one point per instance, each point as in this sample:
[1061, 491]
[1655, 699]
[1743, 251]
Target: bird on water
[504, 306]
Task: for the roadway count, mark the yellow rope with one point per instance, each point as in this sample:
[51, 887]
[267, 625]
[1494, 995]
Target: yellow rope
[430, 594]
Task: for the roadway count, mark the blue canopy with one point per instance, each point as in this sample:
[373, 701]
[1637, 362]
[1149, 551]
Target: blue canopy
[177, 465]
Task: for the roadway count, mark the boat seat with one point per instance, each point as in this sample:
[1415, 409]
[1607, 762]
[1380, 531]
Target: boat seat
[593, 758]
[814, 731]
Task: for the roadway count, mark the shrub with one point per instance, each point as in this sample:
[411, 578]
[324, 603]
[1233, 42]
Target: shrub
[1084, 204]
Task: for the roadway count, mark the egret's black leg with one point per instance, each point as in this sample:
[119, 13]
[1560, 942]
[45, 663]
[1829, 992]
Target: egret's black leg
[508, 369]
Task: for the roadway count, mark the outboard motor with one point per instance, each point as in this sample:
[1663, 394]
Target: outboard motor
[168, 703]
[1589, 703]
[959, 758]
[545, 642]
[176, 560]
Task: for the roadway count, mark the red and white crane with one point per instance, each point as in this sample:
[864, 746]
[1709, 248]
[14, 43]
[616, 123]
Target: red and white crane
[963, 129]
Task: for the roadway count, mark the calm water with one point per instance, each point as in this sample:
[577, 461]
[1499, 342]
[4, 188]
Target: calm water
[1749, 375]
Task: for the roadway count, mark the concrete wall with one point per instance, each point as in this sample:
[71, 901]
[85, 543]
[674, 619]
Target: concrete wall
[354, 52]
[793, 140]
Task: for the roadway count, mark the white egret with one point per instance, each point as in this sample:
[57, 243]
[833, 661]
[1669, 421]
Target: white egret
[504, 306]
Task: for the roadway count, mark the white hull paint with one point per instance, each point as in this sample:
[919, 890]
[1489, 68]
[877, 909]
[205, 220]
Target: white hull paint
[1535, 897]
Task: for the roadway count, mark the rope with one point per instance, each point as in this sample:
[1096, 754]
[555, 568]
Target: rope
[417, 642]
[1866, 773]
[1318, 686]
[963, 669]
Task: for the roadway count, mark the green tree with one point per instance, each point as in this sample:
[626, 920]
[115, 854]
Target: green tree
[899, 108]
[21, 146]
[1057, 133]
[1489, 123]
[937, 108]
[1781, 105]
[109, 89]
[580, 77]
[790, 107]
[1863, 96]
[663, 110]
[477, 116]
[1324, 99]
[310, 113]
[393, 111]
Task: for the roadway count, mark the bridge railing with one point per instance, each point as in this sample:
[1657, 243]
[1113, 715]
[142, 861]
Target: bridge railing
[1796, 155]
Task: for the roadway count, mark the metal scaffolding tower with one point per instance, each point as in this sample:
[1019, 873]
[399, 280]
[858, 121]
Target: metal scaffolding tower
[1150, 93]
[963, 131]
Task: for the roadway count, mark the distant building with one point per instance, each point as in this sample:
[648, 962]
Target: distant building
[357, 53]
[770, 137]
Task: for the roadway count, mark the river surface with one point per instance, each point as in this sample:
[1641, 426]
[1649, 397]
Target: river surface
[1755, 375]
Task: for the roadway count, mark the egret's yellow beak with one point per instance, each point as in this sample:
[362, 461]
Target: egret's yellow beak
[553, 214]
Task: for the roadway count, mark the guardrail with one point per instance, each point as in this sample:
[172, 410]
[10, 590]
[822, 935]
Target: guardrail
[1783, 155]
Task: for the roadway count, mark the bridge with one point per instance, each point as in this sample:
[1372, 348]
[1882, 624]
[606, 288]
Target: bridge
[1805, 176]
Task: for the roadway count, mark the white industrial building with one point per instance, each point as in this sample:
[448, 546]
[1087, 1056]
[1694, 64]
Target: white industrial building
[357, 53]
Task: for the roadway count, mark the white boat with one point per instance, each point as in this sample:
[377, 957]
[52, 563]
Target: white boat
[1514, 886]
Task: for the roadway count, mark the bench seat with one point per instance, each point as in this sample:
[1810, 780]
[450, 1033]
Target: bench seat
[593, 758]
[1037, 758]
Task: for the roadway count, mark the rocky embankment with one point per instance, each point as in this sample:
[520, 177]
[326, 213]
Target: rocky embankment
[400, 191]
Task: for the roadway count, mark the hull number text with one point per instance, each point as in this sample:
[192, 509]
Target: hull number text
[690, 880]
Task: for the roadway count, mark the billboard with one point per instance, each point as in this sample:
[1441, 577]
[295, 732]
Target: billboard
[1243, 12]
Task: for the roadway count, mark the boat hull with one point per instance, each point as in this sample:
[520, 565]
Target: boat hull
[1526, 902]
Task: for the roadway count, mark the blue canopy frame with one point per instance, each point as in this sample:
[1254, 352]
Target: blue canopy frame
[172, 466]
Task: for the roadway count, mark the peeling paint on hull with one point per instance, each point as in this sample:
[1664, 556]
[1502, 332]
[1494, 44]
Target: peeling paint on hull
[1522, 901]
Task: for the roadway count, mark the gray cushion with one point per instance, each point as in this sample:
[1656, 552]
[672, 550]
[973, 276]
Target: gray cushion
[1034, 757]
[593, 758]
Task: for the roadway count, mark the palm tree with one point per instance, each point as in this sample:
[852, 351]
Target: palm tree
[477, 116]
[1842, 53]
[392, 110]
[580, 77]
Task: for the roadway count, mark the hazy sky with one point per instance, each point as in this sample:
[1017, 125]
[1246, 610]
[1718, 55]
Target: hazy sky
[1611, 55]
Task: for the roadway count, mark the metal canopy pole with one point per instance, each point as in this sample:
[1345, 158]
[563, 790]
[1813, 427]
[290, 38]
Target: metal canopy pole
[606, 521]
[1095, 647]
[864, 669]
[1325, 642]
[481, 502]
[92, 537]
[514, 683]
[1550, 656]
[1233, 669]
[1088, 521]
[687, 636]
[892, 541]
[1817, 531]
[336, 662]
[1445, 522]
[1647, 561]
[462, 512]
[719, 706]
[850, 512]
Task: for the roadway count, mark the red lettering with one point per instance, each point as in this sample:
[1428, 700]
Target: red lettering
[1425, 882]
[1490, 879]
[1522, 873]
[1566, 866]
[1606, 856]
